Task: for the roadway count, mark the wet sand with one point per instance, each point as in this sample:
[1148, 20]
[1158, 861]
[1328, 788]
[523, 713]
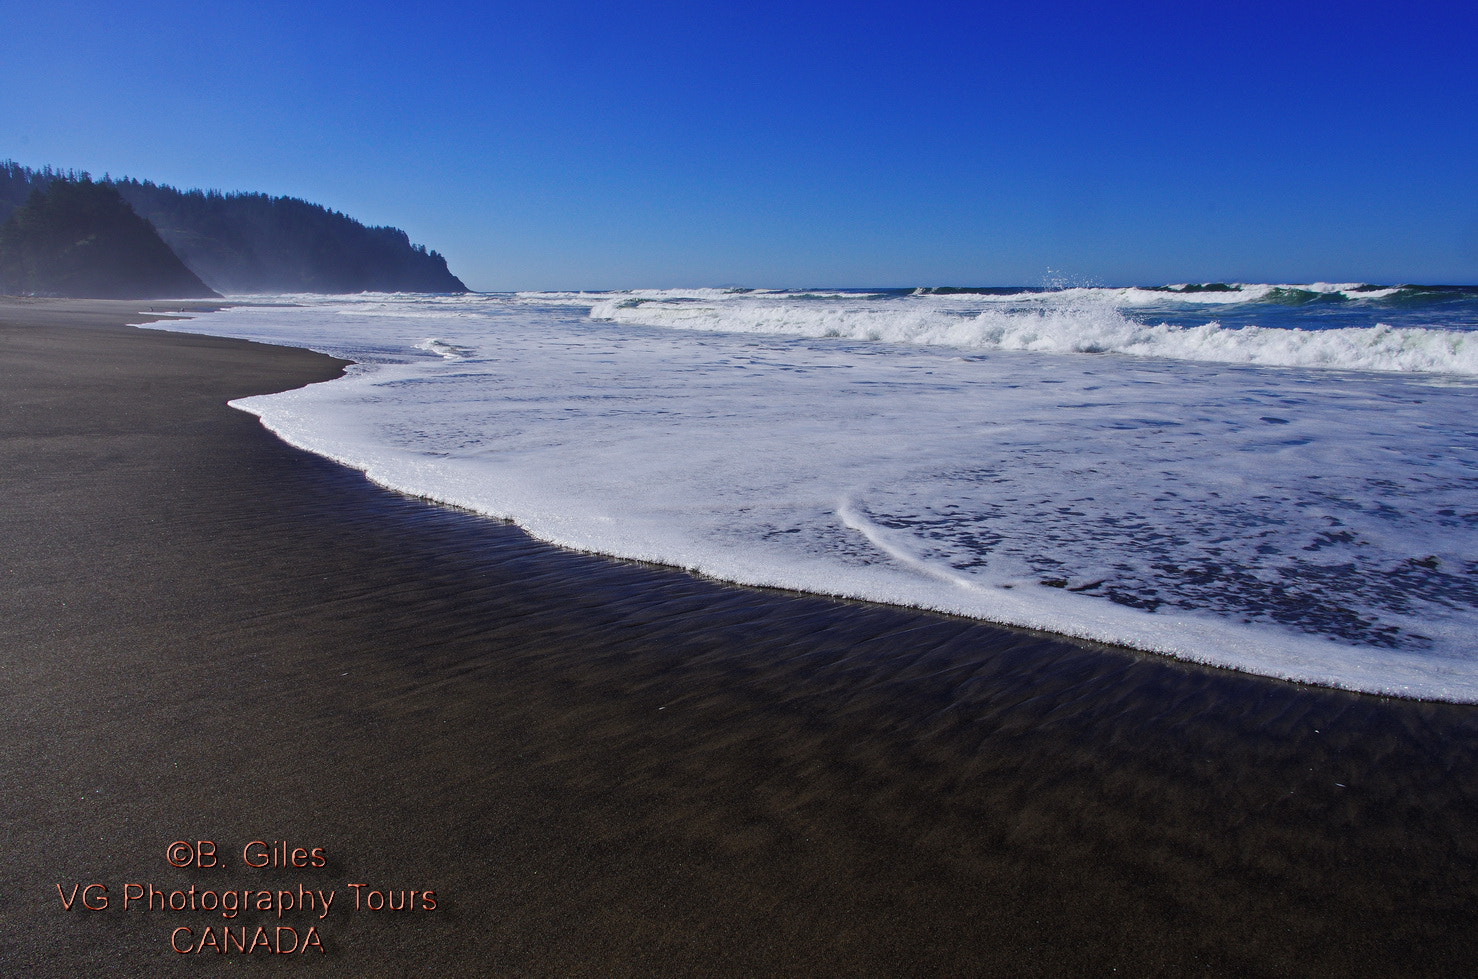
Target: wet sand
[603, 768]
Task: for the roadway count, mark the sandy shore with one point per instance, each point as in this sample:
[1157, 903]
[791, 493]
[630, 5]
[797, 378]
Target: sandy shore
[607, 769]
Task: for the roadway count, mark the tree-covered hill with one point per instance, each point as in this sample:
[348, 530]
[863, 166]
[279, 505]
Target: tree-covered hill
[77, 238]
[17, 182]
[243, 243]
[253, 243]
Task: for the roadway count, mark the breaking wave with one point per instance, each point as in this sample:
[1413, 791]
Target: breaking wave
[1167, 322]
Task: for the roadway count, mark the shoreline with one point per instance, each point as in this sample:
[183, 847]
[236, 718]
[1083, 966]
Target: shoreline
[606, 768]
[1258, 646]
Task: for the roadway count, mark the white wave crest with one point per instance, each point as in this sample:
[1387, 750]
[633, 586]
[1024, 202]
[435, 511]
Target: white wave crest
[1057, 324]
[445, 350]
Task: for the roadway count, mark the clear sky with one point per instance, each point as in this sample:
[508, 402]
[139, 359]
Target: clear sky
[549, 144]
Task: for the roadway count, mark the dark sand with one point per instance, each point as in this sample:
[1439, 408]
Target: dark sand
[608, 769]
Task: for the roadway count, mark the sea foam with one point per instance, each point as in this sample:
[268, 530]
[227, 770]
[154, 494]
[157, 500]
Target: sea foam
[1316, 525]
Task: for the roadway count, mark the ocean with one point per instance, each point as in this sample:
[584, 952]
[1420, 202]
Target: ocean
[1277, 479]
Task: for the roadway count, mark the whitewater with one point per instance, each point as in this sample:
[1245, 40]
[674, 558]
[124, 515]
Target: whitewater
[1278, 479]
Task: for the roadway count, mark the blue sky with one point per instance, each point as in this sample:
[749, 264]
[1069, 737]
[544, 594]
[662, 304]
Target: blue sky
[650, 144]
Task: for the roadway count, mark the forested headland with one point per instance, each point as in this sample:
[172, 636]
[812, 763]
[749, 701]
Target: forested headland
[235, 243]
[81, 239]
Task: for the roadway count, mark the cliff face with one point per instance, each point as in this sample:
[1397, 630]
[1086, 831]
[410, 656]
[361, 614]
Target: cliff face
[233, 243]
[81, 239]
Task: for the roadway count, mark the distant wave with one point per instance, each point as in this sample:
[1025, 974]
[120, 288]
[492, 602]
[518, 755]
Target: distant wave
[1225, 293]
[1190, 293]
[678, 295]
[1074, 321]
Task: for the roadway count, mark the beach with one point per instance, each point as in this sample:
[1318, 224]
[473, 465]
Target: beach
[608, 768]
